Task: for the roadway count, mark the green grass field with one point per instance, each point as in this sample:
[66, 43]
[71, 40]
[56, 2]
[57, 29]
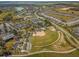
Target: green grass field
[44, 41]
[49, 37]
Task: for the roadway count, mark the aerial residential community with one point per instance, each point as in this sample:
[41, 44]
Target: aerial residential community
[39, 29]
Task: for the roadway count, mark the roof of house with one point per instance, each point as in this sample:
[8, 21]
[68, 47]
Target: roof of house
[7, 36]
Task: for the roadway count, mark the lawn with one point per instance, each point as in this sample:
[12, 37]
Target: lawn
[9, 45]
[35, 49]
[49, 37]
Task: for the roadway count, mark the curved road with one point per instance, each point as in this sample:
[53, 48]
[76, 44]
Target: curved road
[61, 29]
[50, 19]
[52, 42]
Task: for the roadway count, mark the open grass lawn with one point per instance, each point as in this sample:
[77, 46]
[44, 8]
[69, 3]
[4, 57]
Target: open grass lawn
[35, 49]
[49, 37]
[9, 45]
[61, 47]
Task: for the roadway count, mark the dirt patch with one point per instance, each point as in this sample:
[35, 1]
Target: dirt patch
[39, 33]
[52, 28]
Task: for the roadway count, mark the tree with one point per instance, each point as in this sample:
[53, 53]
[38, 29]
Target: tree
[0, 11]
[8, 17]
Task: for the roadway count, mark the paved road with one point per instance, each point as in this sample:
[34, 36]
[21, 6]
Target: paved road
[61, 29]
[11, 26]
[38, 52]
[71, 22]
[54, 19]
[59, 13]
[59, 33]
